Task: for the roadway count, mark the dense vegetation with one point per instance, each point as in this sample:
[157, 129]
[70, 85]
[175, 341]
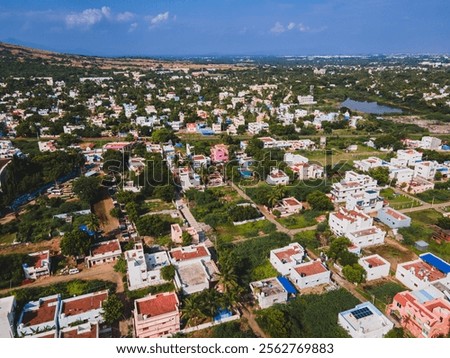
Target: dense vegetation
[11, 271]
[308, 316]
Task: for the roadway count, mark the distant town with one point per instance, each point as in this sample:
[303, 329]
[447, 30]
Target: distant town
[286, 197]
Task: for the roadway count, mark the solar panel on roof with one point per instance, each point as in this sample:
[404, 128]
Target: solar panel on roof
[362, 312]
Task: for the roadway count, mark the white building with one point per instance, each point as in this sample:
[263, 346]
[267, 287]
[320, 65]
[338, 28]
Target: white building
[410, 155]
[431, 143]
[418, 274]
[426, 170]
[365, 321]
[375, 266]
[39, 316]
[268, 292]
[285, 258]
[257, 127]
[368, 201]
[85, 308]
[370, 163]
[291, 159]
[103, 252]
[144, 269]
[7, 309]
[288, 206]
[353, 183]
[277, 177]
[367, 237]
[345, 221]
[309, 274]
[306, 100]
[401, 175]
[40, 266]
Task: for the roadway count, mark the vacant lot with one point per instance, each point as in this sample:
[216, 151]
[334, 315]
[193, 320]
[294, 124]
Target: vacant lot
[102, 209]
[392, 251]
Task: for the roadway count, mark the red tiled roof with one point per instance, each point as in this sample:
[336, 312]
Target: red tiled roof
[312, 268]
[292, 201]
[45, 313]
[84, 304]
[286, 254]
[375, 261]
[39, 258]
[395, 214]
[158, 305]
[183, 255]
[105, 247]
[422, 270]
[73, 333]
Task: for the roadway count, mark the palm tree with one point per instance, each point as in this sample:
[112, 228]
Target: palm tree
[276, 195]
[227, 277]
[92, 223]
[192, 311]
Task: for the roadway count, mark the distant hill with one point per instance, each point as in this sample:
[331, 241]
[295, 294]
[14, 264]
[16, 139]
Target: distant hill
[22, 54]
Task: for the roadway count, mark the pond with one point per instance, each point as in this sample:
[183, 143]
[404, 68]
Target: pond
[369, 107]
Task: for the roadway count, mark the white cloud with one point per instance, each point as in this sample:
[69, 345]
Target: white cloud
[277, 28]
[125, 16]
[303, 28]
[158, 19]
[133, 27]
[291, 25]
[87, 17]
[106, 11]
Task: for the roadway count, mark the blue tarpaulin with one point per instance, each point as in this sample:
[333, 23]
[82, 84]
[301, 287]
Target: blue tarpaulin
[222, 313]
[437, 262]
[288, 286]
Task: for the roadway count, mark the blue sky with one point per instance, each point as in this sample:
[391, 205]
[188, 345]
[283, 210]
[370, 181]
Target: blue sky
[228, 27]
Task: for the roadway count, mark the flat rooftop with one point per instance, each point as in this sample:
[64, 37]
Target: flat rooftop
[41, 311]
[310, 268]
[189, 252]
[159, 304]
[269, 287]
[423, 270]
[81, 304]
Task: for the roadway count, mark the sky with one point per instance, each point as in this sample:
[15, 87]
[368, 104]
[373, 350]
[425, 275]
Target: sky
[228, 27]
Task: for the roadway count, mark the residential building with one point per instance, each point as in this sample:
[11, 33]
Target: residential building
[40, 266]
[277, 177]
[143, 269]
[368, 201]
[425, 170]
[136, 165]
[418, 274]
[292, 159]
[103, 252]
[195, 271]
[309, 274]
[268, 292]
[365, 321]
[119, 146]
[411, 156]
[431, 143]
[47, 146]
[283, 259]
[345, 221]
[257, 127]
[418, 185]
[393, 218]
[288, 206]
[422, 313]
[219, 153]
[376, 267]
[39, 316]
[307, 171]
[176, 233]
[268, 142]
[199, 161]
[84, 330]
[156, 315]
[82, 309]
[353, 183]
[400, 175]
[306, 100]
[370, 163]
[7, 314]
[367, 237]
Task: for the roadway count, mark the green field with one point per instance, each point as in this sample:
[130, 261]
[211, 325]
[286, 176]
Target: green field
[435, 196]
[7, 239]
[299, 221]
[157, 205]
[398, 201]
[229, 233]
[384, 292]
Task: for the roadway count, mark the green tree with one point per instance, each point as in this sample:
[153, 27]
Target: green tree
[319, 201]
[168, 272]
[276, 195]
[380, 174]
[152, 225]
[112, 309]
[338, 246]
[354, 273]
[87, 188]
[121, 265]
[396, 332]
[186, 239]
[75, 243]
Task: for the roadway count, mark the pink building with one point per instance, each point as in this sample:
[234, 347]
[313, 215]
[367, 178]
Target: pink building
[157, 316]
[219, 153]
[421, 317]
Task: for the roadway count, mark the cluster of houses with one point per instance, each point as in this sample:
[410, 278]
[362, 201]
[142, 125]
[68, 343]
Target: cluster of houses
[55, 317]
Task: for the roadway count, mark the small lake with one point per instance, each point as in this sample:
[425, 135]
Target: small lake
[369, 107]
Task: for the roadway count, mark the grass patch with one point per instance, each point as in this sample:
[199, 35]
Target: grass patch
[229, 233]
[157, 205]
[299, 221]
[398, 201]
[263, 271]
[8, 239]
[425, 217]
[435, 196]
[385, 292]
[307, 239]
